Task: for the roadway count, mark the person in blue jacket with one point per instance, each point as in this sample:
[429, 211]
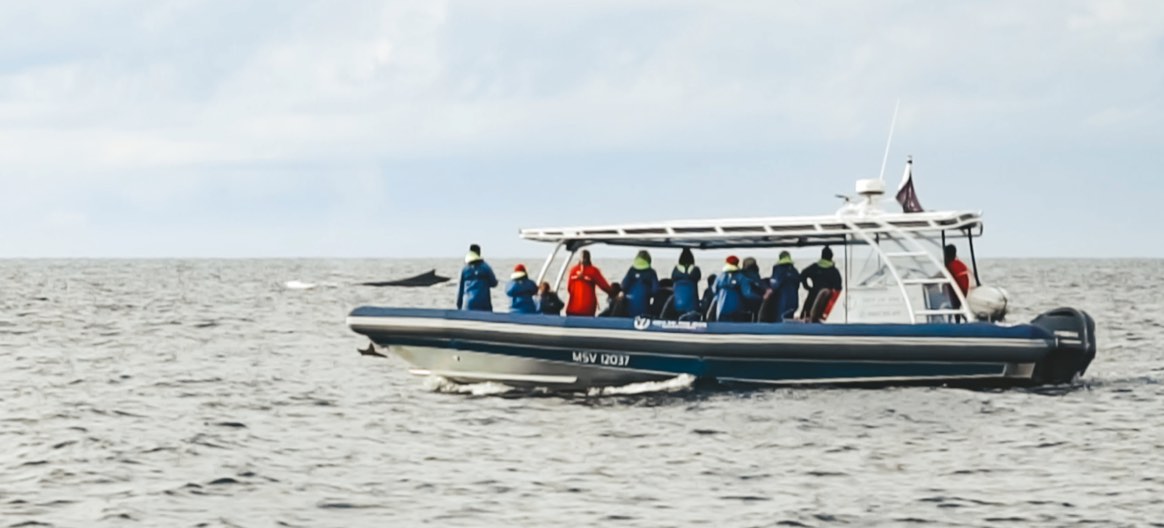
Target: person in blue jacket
[521, 292]
[785, 285]
[639, 285]
[751, 269]
[686, 277]
[477, 282]
[733, 293]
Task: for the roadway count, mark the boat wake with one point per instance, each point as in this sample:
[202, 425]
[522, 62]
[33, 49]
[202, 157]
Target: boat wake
[444, 385]
[491, 388]
[680, 383]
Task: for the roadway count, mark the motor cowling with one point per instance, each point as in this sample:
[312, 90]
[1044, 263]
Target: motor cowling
[1075, 345]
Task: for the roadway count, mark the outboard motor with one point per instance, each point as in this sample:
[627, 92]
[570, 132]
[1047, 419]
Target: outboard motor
[1074, 333]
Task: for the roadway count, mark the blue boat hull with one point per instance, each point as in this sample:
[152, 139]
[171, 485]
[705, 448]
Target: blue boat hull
[579, 353]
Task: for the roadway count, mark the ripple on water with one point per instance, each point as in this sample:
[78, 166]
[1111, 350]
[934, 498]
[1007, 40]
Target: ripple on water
[202, 392]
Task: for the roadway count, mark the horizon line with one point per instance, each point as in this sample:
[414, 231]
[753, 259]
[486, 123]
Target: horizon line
[501, 257]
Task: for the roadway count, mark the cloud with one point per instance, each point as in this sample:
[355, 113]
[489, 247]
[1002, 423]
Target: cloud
[196, 116]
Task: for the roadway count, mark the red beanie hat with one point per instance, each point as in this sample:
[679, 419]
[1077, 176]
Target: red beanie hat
[733, 260]
[520, 268]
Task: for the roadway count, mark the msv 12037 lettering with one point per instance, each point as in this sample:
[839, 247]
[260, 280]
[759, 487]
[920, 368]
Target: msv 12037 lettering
[595, 358]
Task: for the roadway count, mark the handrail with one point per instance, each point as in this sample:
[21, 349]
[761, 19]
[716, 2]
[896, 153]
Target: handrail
[941, 266]
[562, 271]
[548, 262]
[888, 264]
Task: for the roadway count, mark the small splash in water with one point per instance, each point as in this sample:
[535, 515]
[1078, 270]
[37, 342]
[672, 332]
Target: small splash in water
[676, 384]
[488, 388]
[298, 285]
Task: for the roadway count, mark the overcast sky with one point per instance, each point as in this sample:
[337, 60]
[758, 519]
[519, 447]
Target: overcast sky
[370, 128]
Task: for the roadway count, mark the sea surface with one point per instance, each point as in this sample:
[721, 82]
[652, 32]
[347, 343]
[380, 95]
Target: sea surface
[214, 393]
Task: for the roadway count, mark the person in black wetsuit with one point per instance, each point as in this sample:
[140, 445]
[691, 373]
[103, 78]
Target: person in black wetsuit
[821, 275]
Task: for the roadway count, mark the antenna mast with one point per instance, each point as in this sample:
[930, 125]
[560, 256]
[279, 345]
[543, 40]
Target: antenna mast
[889, 142]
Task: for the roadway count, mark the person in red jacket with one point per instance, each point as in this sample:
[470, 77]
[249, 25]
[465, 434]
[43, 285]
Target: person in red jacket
[960, 272]
[583, 278]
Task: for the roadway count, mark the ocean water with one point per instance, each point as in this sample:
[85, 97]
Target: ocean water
[214, 393]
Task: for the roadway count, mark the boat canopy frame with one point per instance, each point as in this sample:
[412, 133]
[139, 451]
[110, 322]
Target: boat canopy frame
[770, 232]
[906, 230]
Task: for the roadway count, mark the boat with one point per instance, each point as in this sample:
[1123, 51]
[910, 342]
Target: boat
[426, 279]
[900, 318]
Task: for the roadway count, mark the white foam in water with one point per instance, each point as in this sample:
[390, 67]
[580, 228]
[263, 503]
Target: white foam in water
[297, 285]
[488, 388]
[682, 382]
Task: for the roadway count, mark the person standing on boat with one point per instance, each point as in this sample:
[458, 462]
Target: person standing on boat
[961, 274]
[477, 282]
[785, 287]
[751, 269]
[639, 285]
[821, 275]
[733, 292]
[521, 292]
[686, 277]
[583, 278]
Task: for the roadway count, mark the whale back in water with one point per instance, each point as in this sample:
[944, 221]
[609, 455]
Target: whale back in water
[427, 278]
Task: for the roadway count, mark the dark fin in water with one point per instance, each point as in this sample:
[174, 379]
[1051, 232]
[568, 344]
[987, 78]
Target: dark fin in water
[370, 351]
[427, 278]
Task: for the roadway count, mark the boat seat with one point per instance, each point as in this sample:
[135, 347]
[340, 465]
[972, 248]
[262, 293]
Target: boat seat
[823, 305]
[659, 301]
[619, 309]
[767, 311]
[668, 312]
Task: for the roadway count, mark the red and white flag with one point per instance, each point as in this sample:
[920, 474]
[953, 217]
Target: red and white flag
[906, 195]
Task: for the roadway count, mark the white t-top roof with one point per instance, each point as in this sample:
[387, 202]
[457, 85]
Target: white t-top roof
[763, 232]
